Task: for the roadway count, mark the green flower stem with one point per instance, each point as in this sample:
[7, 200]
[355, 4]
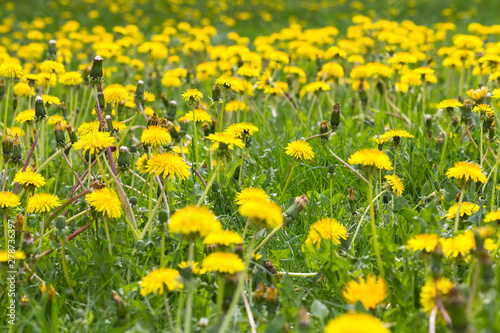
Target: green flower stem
[221, 113]
[268, 237]
[237, 294]
[106, 229]
[6, 231]
[443, 153]
[495, 176]
[162, 249]
[179, 313]
[101, 169]
[65, 268]
[209, 185]
[361, 220]
[169, 313]
[376, 248]
[292, 167]
[457, 215]
[153, 213]
[220, 295]
[481, 144]
[4, 132]
[195, 141]
[189, 302]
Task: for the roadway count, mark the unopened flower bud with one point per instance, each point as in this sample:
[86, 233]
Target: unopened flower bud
[258, 293]
[466, 109]
[206, 129]
[292, 213]
[59, 129]
[8, 146]
[95, 75]
[139, 95]
[19, 224]
[172, 111]
[153, 120]
[52, 50]
[272, 294]
[124, 158]
[164, 100]
[184, 127]
[61, 222]
[133, 201]
[39, 108]
[163, 216]
[72, 135]
[109, 122]
[216, 93]
[335, 117]
[103, 126]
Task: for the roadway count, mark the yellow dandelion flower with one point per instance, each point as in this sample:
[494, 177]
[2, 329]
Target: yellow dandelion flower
[199, 115]
[115, 93]
[193, 221]
[426, 242]
[50, 100]
[49, 66]
[192, 95]
[316, 87]
[478, 94]
[29, 179]
[371, 158]
[94, 142]
[224, 141]
[11, 70]
[71, 79]
[193, 265]
[9, 200]
[155, 136]
[300, 150]
[168, 164]
[5, 256]
[355, 323]
[235, 106]
[329, 229]
[242, 130]
[250, 193]
[149, 97]
[42, 202]
[224, 238]
[466, 208]
[223, 263]
[483, 109]
[262, 212]
[370, 292]
[106, 202]
[25, 116]
[449, 104]
[87, 128]
[22, 89]
[465, 171]
[228, 82]
[395, 184]
[161, 280]
[460, 245]
[397, 134]
[492, 216]
[428, 293]
[142, 163]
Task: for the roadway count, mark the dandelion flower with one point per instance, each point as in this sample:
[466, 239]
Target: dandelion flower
[478, 94]
[168, 164]
[395, 184]
[460, 245]
[142, 163]
[199, 115]
[5, 256]
[355, 323]
[224, 141]
[29, 179]
[371, 158]
[9, 200]
[23, 89]
[426, 242]
[115, 94]
[71, 79]
[160, 280]
[242, 130]
[106, 202]
[223, 263]
[224, 238]
[50, 100]
[192, 95]
[428, 293]
[465, 171]
[227, 82]
[250, 193]
[25, 116]
[316, 87]
[492, 216]
[193, 265]
[449, 104]
[262, 212]
[329, 229]
[94, 142]
[300, 150]
[11, 70]
[466, 208]
[42, 202]
[155, 136]
[49, 66]
[193, 221]
[370, 292]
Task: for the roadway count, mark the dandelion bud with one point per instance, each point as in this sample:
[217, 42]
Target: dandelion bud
[39, 108]
[72, 134]
[121, 309]
[184, 127]
[86, 74]
[133, 201]
[291, 214]
[323, 128]
[428, 120]
[103, 126]
[455, 304]
[216, 93]
[60, 222]
[212, 127]
[95, 75]
[436, 260]
[49, 294]
[59, 133]
[52, 50]
[173, 131]
[109, 122]
[139, 95]
[163, 216]
[19, 223]
[172, 111]
[303, 319]
[268, 264]
[331, 170]
[206, 129]
[272, 294]
[7, 145]
[164, 100]
[124, 158]
[64, 109]
[153, 120]
[258, 293]
[335, 118]
[491, 132]
[466, 109]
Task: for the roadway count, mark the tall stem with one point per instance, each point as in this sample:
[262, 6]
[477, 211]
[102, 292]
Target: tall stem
[294, 163]
[106, 229]
[153, 213]
[209, 185]
[221, 112]
[4, 132]
[65, 268]
[376, 248]
[457, 216]
[495, 176]
[481, 144]
[443, 153]
[189, 302]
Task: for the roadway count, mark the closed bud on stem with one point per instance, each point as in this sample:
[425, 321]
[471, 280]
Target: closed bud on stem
[59, 129]
[71, 133]
[163, 215]
[17, 151]
[466, 110]
[184, 127]
[335, 117]
[291, 214]
[95, 75]
[103, 126]
[216, 93]
[272, 294]
[139, 95]
[39, 108]
[206, 129]
[133, 201]
[153, 120]
[8, 147]
[61, 222]
[109, 122]
[172, 111]
[52, 50]
[19, 224]
[323, 129]
[64, 110]
[173, 131]
[164, 100]
[124, 158]
[258, 293]
[121, 309]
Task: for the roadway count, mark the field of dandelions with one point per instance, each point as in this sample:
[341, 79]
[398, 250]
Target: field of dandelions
[249, 166]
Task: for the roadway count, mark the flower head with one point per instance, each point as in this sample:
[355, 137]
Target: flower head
[242, 130]
[223, 263]
[466, 208]
[492, 216]
[199, 115]
[371, 158]
[25, 116]
[224, 238]
[460, 245]
[168, 164]
[395, 184]
[329, 229]
[6, 256]
[142, 163]
[370, 292]
[426, 242]
[250, 193]
[192, 95]
[355, 323]
[9, 200]
[42, 202]
[160, 280]
[300, 150]
[114, 94]
[224, 141]
[478, 94]
[155, 136]
[29, 179]
[106, 202]
[449, 104]
[71, 79]
[11, 70]
[262, 212]
[228, 82]
[428, 292]
[193, 221]
[465, 171]
[193, 265]
[94, 142]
